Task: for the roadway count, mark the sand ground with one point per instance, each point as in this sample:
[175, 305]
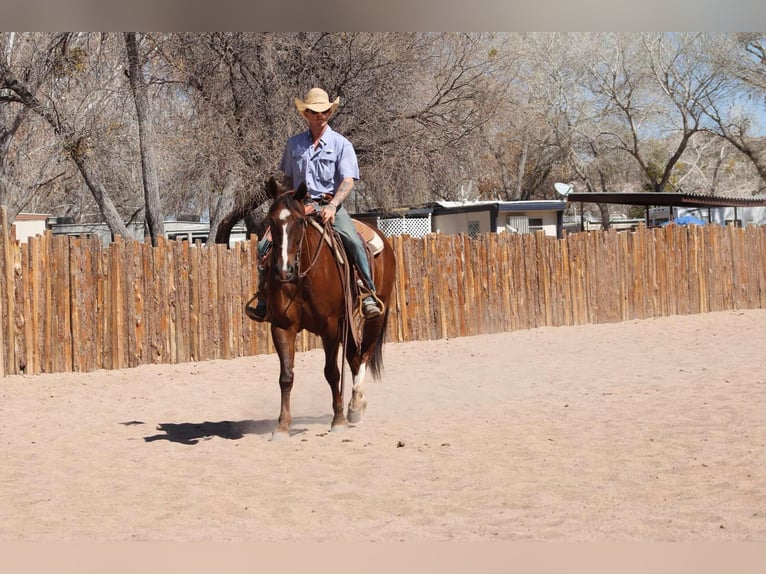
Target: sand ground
[649, 430]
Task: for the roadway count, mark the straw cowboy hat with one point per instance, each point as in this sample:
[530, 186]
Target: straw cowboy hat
[317, 100]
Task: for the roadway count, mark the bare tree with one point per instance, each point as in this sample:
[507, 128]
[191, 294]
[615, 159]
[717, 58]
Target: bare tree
[644, 96]
[152, 204]
[29, 163]
[407, 101]
[202, 119]
[651, 87]
[743, 58]
[55, 60]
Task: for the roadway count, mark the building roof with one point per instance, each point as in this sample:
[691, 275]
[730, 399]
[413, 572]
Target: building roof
[502, 206]
[445, 207]
[32, 217]
[650, 198]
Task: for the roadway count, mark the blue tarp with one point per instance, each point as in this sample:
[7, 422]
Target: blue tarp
[686, 220]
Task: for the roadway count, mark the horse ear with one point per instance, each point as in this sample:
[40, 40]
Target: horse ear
[301, 192]
[272, 188]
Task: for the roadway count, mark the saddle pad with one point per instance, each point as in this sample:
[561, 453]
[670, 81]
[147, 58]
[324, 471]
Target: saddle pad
[369, 236]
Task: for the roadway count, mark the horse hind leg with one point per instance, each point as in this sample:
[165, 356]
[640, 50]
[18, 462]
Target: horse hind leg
[358, 402]
[369, 359]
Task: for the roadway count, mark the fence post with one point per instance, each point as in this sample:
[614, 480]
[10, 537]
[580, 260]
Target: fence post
[129, 304]
[4, 306]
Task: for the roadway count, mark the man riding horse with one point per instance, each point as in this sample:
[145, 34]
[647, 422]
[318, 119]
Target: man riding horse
[326, 162]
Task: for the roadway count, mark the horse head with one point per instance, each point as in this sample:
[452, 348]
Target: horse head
[288, 228]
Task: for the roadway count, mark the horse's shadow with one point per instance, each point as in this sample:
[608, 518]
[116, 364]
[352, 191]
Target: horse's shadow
[192, 433]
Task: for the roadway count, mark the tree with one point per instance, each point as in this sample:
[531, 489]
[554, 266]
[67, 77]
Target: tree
[654, 88]
[46, 69]
[523, 144]
[644, 97]
[118, 126]
[152, 204]
[743, 58]
[29, 163]
[407, 101]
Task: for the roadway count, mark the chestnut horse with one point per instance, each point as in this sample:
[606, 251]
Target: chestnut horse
[305, 290]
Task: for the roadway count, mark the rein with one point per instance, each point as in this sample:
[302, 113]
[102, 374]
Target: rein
[302, 274]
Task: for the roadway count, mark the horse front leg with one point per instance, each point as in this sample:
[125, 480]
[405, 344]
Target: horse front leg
[284, 341]
[332, 374]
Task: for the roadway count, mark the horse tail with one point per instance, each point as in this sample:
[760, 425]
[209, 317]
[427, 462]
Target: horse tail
[375, 363]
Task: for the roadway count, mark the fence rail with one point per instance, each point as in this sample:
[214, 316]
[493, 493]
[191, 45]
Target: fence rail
[72, 304]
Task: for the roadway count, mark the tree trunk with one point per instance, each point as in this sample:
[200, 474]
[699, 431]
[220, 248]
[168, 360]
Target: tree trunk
[230, 217]
[522, 169]
[753, 149]
[236, 212]
[152, 204]
[605, 221]
[223, 205]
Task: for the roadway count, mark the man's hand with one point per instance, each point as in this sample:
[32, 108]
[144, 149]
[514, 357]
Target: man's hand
[328, 213]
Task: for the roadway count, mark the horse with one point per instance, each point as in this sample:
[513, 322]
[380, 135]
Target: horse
[305, 289]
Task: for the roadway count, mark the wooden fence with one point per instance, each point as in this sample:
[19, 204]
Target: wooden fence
[72, 304]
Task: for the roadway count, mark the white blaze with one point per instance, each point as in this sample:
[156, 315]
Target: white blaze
[283, 215]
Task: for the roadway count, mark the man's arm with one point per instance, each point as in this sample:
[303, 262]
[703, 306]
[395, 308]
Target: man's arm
[328, 215]
[342, 192]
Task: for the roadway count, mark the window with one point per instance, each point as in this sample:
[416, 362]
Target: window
[535, 224]
[517, 224]
[473, 229]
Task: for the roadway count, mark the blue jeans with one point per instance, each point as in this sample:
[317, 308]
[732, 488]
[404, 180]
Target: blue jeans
[344, 225]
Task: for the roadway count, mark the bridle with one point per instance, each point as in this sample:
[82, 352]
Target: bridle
[303, 221]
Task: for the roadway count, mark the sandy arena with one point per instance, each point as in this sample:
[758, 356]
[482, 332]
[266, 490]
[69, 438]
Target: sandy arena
[648, 430]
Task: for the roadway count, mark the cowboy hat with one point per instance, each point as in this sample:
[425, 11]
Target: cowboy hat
[317, 100]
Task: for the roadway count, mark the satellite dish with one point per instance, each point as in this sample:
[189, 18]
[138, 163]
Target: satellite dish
[563, 188]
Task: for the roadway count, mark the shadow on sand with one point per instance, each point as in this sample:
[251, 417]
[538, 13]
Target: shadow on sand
[192, 433]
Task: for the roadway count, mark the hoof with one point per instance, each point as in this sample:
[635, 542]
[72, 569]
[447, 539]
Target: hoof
[279, 435]
[339, 428]
[354, 416]
[356, 412]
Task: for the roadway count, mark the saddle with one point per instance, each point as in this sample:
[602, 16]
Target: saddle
[371, 240]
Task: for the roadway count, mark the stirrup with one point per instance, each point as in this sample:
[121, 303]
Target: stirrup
[257, 313]
[370, 308]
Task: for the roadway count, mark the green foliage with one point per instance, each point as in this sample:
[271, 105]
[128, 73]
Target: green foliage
[72, 62]
[654, 176]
